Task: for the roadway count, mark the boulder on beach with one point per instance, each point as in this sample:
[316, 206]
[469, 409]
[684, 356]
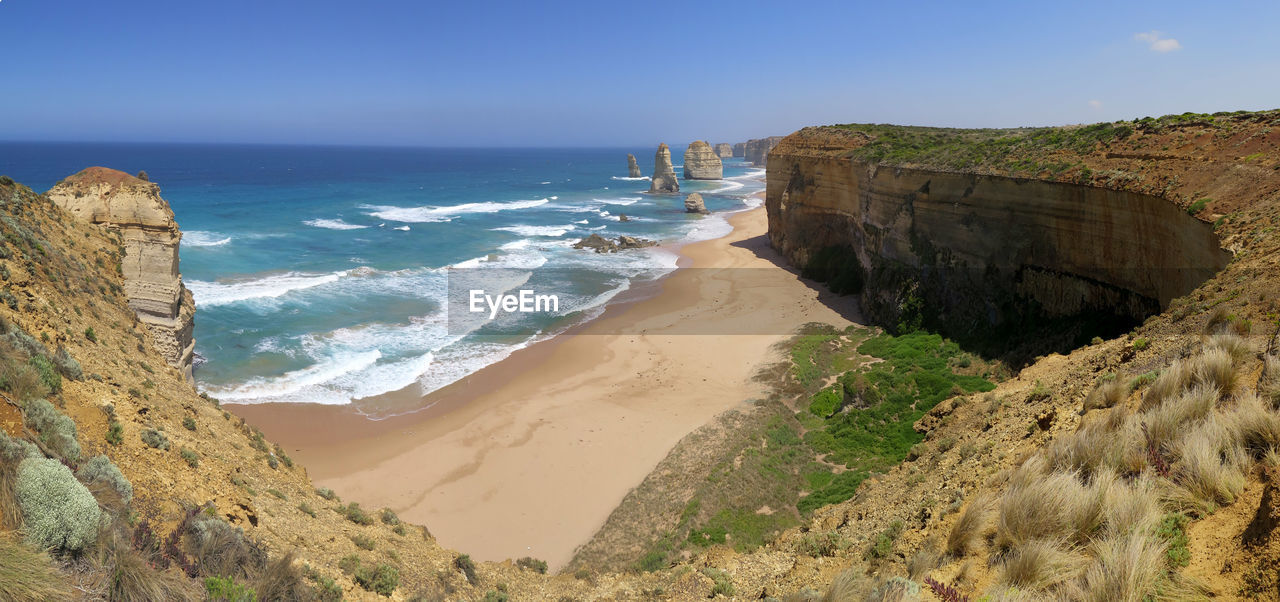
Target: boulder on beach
[694, 204]
[633, 168]
[664, 175]
[701, 163]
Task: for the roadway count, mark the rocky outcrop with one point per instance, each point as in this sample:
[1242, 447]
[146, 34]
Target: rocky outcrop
[152, 281]
[694, 204]
[756, 151]
[701, 163]
[664, 175]
[633, 168]
[724, 150]
[740, 149]
[981, 255]
[600, 244]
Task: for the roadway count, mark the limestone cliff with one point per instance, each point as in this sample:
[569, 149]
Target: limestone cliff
[633, 169]
[740, 149]
[724, 150]
[150, 264]
[664, 175]
[756, 151]
[984, 253]
[702, 163]
[694, 204]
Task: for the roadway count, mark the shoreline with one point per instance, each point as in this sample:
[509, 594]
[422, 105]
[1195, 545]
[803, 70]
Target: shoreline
[529, 455]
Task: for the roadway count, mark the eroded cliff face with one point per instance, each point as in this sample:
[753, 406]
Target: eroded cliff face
[664, 175]
[724, 150]
[980, 255]
[701, 162]
[150, 263]
[739, 149]
[757, 151]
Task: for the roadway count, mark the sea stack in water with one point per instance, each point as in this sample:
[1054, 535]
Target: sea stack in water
[724, 150]
[701, 163]
[664, 176]
[757, 151]
[694, 204]
[740, 149]
[133, 207]
[633, 168]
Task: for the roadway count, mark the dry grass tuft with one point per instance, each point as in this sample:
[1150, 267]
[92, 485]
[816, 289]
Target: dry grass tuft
[1126, 569]
[1041, 564]
[1106, 395]
[848, 586]
[130, 578]
[971, 526]
[281, 580]
[1166, 421]
[26, 574]
[1212, 469]
[1216, 367]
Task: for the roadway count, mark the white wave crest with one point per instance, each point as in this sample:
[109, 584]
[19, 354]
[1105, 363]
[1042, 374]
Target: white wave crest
[524, 230]
[427, 214]
[221, 293]
[333, 224]
[629, 178]
[200, 238]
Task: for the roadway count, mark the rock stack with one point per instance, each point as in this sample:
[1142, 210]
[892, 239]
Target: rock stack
[152, 281]
[694, 204]
[757, 151]
[633, 168]
[740, 149]
[724, 150]
[664, 176]
[701, 163]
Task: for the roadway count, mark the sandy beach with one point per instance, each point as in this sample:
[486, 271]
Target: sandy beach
[528, 457]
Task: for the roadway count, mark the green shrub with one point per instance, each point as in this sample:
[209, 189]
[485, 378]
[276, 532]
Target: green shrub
[1173, 530]
[91, 335]
[389, 516]
[1198, 206]
[54, 428]
[399, 529]
[723, 583]
[189, 423]
[278, 494]
[57, 510]
[155, 438]
[67, 365]
[115, 433]
[882, 544]
[363, 542]
[327, 494]
[306, 509]
[100, 468]
[1140, 344]
[48, 372]
[356, 515]
[533, 564]
[225, 589]
[349, 563]
[383, 579]
[824, 403]
[496, 596]
[463, 563]
[192, 459]
[16, 450]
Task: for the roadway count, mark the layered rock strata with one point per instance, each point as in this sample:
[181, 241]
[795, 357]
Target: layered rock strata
[694, 204]
[724, 150]
[664, 175]
[756, 151]
[740, 149]
[633, 168]
[152, 281]
[702, 163]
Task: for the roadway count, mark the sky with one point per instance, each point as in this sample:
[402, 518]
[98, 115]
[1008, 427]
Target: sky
[474, 73]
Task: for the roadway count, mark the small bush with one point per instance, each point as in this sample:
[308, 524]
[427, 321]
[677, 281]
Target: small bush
[100, 469]
[389, 517]
[363, 542]
[58, 512]
[154, 438]
[533, 564]
[327, 494]
[277, 494]
[882, 544]
[190, 457]
[1198, 206]
[22, 381]
[356, 515]
[225, 589]
[189, 423]
[54, 428]
[115, 433]
[67, 365]
[383, 579]
[306, 509]
[1173, 530]
[723, 584]
[349, 563]
[90, 335]
[818, 545]
[463, 563]
[1140, 344]
[48, 373]
[399, 529]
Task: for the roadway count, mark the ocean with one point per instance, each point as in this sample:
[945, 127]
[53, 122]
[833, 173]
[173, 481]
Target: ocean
[321, 274]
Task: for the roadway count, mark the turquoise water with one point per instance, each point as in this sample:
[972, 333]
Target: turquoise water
[320, 273]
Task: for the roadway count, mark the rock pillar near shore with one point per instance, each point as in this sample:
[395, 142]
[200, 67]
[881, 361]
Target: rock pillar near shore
[664, 175]
[701, 163]
[152, 281]
[694, 204]
[724, 150]
[633, 168]
[757, 151]
[740, 149]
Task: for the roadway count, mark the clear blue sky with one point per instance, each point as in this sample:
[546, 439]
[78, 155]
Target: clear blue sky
[610, 72]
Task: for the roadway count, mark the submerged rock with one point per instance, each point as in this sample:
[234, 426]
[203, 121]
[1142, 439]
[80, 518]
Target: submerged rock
[600, 244]
[694, 204]
[152, 282]
[633, 168]
[701, 163]
[664, 175]
[724, 150]
[622, 217]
